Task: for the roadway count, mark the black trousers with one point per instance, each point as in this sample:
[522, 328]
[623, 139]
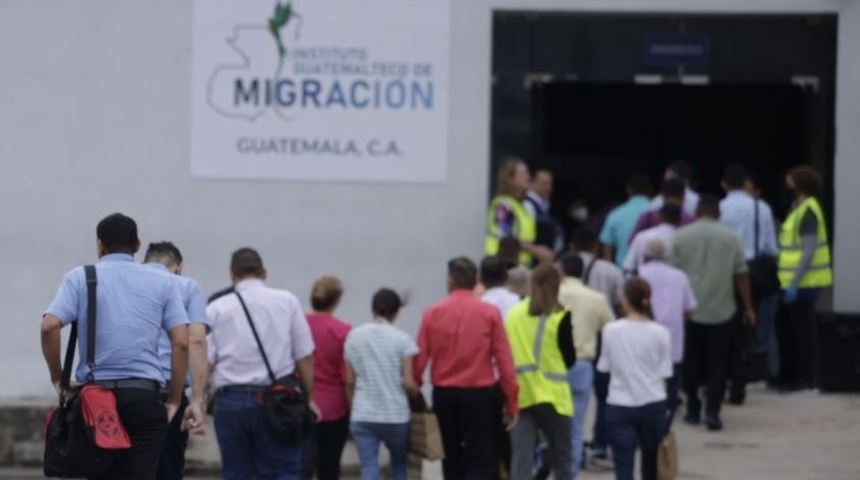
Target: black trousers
[467, 419]
[145, 419]
[322, 449]
[706, 356]
[673, 388]
[172, 464]
[796, 333]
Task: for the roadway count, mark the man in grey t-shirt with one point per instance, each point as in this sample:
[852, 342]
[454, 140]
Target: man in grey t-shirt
[712, 257]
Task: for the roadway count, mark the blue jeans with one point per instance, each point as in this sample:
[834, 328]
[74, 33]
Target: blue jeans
[629, 426]
[581, 379]
[766, 330]
[367, 437]
[601, 390]
[246, 447]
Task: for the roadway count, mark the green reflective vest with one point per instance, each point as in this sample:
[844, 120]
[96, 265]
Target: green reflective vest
[820, 274]
[525, 227]
[541, 371]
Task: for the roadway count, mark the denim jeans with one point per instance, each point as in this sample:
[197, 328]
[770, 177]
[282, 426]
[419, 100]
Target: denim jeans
[629, 426]
[581, 379]
[766, 330]
[600, 441]
[367, 437]
[246, 447]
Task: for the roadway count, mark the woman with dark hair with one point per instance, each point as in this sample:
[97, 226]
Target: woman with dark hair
[508, 216]
[541, 337]
[379, 382]
[804, 271]
[637, 354]
[323, 448]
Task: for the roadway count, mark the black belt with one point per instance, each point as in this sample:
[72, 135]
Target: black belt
[243, 389]
[139, 383]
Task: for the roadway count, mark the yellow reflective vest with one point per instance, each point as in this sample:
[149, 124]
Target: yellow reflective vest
[820, 273]
[525, 226]
[541, 371]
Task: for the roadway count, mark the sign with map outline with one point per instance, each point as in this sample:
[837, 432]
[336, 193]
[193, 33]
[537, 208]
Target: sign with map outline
[320, 90]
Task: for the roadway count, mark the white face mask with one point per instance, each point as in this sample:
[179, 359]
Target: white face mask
[579, 214]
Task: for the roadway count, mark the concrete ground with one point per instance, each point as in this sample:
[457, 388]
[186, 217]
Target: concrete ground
[803, 436]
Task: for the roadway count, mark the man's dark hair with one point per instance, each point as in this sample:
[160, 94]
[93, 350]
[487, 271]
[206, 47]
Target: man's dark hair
[735, 177]
[386, 303]
[118, 234]
[670, 214]
[709, 206]
[673, 188]
[584, 239]
[494, 272]
[463, 273]
[246, 262]
[165, 253]
[639, 184]
[572, 265]
[682, 170]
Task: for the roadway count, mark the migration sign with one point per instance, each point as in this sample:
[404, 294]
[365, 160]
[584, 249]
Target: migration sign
[329, 90]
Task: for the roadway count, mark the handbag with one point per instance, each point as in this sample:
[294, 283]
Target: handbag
[83, 435]
[763, 267]
[425, 438]
[749, 358]
[667, 457]
[285, 409]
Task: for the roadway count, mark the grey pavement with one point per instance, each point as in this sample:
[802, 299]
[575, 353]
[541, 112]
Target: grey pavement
[803, 436]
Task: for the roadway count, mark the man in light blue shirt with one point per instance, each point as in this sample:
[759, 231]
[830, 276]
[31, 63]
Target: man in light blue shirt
[737, 212]
[166, 257]
[619, 225]
[134, 304]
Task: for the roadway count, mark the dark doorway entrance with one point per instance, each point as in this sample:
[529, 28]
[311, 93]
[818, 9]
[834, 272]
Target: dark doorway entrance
[594, 135]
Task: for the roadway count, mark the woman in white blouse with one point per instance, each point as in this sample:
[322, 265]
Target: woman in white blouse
[637, 354]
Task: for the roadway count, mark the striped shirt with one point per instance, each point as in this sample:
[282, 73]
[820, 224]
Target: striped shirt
[375, 351]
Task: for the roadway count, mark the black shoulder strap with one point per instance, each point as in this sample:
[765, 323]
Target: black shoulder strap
[587, 275]
[257, 338]
[90, 271]
[66, 378]
[755, 228]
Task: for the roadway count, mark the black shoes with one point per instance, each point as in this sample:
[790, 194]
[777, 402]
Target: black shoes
[693, 419]
[713, 423]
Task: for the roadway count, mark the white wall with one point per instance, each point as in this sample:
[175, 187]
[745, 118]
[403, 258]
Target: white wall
[94, 119]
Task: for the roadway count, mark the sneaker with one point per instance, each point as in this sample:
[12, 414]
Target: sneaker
[713, 423]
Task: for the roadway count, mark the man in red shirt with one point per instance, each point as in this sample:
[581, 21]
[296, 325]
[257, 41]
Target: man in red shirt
[464, 340]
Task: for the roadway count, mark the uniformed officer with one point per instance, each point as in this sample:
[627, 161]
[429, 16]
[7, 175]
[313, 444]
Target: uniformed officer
[166, 257]
[134, 304]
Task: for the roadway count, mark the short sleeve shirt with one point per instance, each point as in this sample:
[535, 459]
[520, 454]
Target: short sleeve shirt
[620, 223]
[711, 255]
[375, 352]
[195, 306]
[134, 304]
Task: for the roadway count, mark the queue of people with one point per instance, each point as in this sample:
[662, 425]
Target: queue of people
[712, 269]
[513, 353]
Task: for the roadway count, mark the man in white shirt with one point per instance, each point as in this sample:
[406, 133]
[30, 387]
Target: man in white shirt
[670, 217]
[239, 372]
[494, 277]
[680, 170]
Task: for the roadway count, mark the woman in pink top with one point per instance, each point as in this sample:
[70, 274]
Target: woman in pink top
[322, 449]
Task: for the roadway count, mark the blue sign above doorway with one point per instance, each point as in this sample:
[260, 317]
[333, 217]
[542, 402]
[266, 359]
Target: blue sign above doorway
[677, 50]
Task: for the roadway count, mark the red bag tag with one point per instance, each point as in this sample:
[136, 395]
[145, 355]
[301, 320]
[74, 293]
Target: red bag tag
[99, 409]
